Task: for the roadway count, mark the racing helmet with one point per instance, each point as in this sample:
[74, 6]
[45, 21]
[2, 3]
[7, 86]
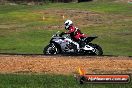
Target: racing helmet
[68, 23]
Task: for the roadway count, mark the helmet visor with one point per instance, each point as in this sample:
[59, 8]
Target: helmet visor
[66, 24]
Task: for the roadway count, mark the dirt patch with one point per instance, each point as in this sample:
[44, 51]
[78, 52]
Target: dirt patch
[64, 64]
[80, 18]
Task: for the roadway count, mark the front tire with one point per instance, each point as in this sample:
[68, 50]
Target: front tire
[51, 49]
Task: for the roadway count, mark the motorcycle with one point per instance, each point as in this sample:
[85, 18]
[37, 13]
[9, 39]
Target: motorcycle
[63, 44]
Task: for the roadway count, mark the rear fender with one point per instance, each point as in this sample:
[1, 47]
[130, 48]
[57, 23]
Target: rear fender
[89, 39]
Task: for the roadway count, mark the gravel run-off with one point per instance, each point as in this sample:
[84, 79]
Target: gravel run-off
[15, 64]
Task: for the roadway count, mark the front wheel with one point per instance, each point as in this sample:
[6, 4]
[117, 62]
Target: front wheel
[51, 49]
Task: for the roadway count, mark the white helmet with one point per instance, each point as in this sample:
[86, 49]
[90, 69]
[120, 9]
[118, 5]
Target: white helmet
[68, 23]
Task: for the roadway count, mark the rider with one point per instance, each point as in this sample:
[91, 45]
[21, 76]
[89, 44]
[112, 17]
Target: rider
[74, 32]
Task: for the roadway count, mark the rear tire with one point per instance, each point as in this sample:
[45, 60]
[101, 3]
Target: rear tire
[98, 50]
[51, 49]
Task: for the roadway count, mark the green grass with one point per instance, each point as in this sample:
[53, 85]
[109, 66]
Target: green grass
[49, 81]
[115, 40]
[22, 29]
[28, 41]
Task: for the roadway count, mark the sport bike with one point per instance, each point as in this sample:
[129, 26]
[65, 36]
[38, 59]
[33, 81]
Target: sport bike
[63, 44]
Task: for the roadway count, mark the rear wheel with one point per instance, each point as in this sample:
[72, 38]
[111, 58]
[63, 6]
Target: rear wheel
[97, 49]
[51, 49]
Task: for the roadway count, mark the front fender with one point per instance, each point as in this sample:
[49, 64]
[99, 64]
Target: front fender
[56, 44]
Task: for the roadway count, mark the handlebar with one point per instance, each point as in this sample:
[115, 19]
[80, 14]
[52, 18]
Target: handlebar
[58, 34]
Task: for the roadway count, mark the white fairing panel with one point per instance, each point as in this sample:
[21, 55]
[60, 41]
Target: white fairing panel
[87, 47]
[71, 41]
